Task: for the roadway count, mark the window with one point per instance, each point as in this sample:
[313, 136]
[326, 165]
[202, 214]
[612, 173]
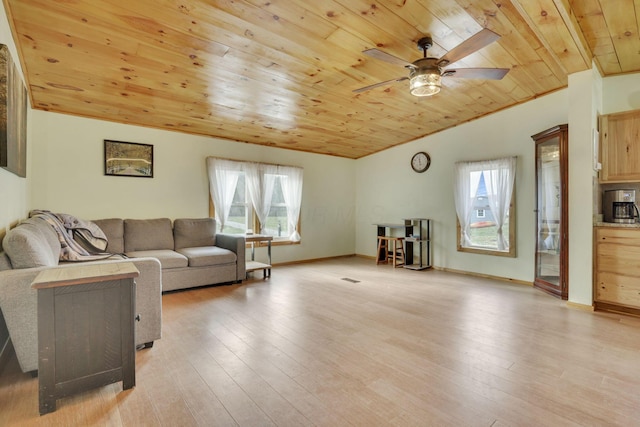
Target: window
[277, 224]
[256, 196]
[240, 213]
[242, 216]
[484, 198]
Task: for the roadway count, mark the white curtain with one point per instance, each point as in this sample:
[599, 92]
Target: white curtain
[261, 180]
[466, 181]
[499, 177]
[223, 179]
[291, 179]
[549, 215]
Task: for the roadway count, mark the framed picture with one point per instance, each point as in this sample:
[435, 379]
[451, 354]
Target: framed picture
[13, 116]
[128, 159]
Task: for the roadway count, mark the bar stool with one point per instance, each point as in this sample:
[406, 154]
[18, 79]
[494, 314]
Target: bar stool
[396, 254]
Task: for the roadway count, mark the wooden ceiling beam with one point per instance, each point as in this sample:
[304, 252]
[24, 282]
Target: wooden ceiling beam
[557, 35]
[571, 22]
[594, 27]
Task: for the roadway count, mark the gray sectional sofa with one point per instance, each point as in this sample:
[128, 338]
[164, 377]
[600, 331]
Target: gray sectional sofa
[191, 253]
[185, 254]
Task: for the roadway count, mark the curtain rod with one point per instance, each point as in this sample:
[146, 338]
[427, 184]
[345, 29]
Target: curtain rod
[251, 161]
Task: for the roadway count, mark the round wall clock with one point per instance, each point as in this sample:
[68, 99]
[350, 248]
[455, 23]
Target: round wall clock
[420, 162]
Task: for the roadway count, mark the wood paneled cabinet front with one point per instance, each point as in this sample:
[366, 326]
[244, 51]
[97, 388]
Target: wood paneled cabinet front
[617, 269]
[85, 329]
[620, 147]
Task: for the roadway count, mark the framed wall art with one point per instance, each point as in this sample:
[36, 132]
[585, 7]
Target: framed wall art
[13, 116]
[128, 159]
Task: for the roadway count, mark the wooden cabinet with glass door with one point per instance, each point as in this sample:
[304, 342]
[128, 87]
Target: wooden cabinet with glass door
[552, 254]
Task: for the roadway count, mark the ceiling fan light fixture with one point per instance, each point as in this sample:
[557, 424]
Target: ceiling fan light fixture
[426, 84]
[425, 74]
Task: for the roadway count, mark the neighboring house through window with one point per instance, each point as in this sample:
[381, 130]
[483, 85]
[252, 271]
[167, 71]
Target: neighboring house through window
[483, 193]
[261, 197]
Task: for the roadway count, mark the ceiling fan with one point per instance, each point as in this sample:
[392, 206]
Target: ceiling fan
[425, 74]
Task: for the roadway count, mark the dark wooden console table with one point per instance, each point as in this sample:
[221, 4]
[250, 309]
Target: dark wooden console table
[85, 329]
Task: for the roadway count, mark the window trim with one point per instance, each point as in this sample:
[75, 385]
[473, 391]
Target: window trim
[276, 240]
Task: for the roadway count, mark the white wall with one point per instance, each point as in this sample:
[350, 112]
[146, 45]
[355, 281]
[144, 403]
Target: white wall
[585, 101]
[388, 190]
[13, 189]
[621, 93]
[68, 176]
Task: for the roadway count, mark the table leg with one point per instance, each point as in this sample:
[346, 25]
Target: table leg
[269, 257]
[128, 342]
[382, 257]
[46, 352]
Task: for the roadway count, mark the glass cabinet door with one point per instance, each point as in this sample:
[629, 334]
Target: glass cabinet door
[551, 211]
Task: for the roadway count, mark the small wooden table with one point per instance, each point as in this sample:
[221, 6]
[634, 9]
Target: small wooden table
[254, 265]
[85, 329]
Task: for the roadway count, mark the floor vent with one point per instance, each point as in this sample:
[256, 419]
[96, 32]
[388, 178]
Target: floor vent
[346, 279]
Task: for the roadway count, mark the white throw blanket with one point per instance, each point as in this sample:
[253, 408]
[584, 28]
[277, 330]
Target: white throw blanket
[80, 240]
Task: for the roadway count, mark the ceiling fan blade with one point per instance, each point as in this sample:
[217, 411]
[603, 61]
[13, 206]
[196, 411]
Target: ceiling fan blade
[384, 56]
[476, 73]
[362, 89]
[469, 46]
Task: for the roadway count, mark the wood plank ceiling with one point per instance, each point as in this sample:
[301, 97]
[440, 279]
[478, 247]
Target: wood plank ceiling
[281, 72]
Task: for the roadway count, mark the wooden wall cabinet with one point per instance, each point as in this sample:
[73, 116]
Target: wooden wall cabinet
[620, 147]
[617, 269]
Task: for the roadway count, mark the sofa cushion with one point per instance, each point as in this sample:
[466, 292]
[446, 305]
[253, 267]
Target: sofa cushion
[167, 258]
[147, 234]
[113, 228]
[5, 262]
[204, 256]
[193, 232]
[33, 243]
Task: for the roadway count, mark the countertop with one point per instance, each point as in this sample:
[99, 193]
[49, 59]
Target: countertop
[616, 225]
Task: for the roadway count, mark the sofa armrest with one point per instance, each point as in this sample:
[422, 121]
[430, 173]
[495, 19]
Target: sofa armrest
[237, 245]
[148, 299]
[19, 305]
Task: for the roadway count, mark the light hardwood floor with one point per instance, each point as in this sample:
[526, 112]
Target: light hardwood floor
[400, 347]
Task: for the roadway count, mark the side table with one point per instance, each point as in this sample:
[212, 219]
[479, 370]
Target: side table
[253, 264]
[85, 329]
